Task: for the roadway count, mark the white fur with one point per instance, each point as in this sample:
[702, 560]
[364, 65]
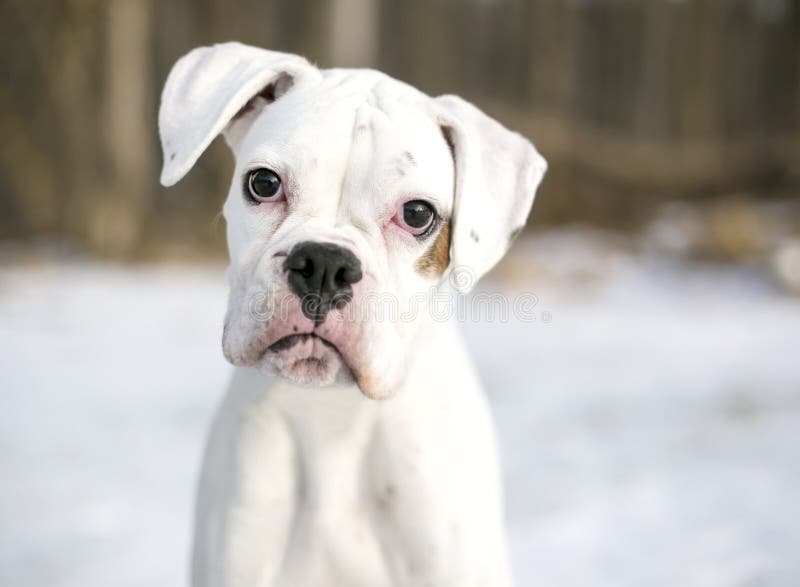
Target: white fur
[316, 486]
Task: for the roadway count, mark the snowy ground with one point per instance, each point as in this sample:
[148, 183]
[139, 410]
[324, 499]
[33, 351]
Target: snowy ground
[650, 420]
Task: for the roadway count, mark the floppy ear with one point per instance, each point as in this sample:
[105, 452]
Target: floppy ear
[497, 173]
[206, 89]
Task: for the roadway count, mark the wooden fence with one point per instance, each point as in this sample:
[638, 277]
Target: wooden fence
[632, 101]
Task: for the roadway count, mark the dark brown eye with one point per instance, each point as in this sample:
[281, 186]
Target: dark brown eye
[264, 185]
[416, 216]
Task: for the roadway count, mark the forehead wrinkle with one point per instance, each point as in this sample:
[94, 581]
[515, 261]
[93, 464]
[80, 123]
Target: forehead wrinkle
[365, 144]
[354, 131]
[365, 179]
[338, 143]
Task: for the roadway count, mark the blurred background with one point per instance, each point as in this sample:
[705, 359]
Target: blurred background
[650, 416]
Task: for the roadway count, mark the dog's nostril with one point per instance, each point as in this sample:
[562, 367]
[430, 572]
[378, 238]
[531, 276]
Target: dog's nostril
[348, 274]
[308, 268]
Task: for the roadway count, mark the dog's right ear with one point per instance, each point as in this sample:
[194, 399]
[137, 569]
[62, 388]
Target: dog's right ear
[211, 86]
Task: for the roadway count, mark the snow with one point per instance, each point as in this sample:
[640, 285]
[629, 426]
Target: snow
[649, 419]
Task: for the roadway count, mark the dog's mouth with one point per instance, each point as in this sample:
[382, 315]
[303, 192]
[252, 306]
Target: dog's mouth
[289, 341]
[307, 358]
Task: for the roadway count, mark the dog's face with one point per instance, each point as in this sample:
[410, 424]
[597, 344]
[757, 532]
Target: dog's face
[352, 197]
[339, 208]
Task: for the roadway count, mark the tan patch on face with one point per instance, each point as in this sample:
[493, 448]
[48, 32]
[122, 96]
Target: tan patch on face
[436, 259]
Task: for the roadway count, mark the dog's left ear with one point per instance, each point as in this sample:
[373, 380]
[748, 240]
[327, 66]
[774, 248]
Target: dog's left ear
[211, 86]
[497, 173]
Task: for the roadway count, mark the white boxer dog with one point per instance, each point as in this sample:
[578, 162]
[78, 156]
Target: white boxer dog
[349, 188]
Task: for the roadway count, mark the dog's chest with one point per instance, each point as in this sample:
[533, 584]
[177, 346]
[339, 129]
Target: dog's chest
[334, 546]
[338, 518]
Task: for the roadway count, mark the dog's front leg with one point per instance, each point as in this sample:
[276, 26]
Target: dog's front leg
[435, 480]
[246, 497]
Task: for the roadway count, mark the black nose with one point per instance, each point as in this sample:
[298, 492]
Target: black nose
[321, 275]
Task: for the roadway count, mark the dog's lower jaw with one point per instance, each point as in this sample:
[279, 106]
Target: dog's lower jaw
[308, 358]
[326, 370]
[320, 370]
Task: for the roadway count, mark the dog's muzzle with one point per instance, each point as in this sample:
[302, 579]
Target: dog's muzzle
[321, 275]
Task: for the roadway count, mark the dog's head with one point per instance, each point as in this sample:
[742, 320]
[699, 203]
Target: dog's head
[353, 196]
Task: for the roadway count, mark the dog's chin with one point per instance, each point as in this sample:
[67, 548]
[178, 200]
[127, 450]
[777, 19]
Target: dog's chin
[306, 359]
